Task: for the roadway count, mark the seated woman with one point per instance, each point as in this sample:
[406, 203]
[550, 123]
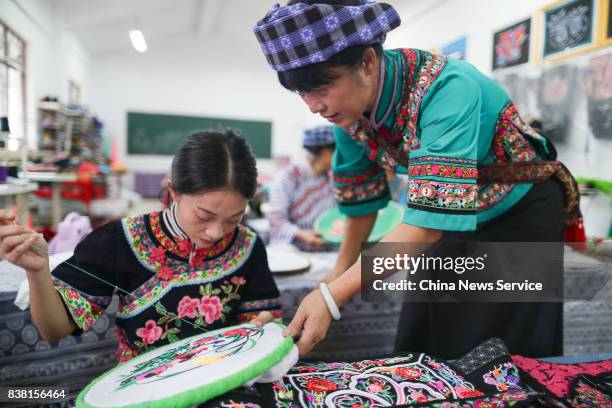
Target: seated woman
[302, 192]
[189, 268]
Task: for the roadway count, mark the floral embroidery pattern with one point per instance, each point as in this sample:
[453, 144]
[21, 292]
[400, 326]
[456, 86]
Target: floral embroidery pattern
[362, 193]
[442, 197]
[445, 167]
[370, 383]
[203, 349]
[203, 311]
[589, 391]
[176, 271]
[85, 309]
[556, 378]
[502, 400]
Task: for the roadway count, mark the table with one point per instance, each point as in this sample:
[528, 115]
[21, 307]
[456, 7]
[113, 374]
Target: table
[20, 191]
[56, 180]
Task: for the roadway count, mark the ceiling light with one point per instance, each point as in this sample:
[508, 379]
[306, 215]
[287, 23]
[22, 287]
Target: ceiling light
[138, 40]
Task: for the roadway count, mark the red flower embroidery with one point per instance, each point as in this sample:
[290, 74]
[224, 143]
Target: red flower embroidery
[463, 392]
[210, 307]
[158, 255]
[320, 385]
[150, 333]
[188, 307]
[409, 373]
[165, 272]
[184, 247]
[236, 332]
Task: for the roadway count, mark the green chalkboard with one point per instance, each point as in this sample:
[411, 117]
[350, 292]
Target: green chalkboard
[161, 134]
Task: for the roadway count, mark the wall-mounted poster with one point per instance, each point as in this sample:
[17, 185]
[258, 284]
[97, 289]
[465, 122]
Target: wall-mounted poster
[511, 45]
[568, 27]
[606, 22]
[456, 49]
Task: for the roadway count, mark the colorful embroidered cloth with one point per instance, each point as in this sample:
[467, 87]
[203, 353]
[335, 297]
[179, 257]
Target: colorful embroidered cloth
[569, 385]
[172, 291]
[446, 119]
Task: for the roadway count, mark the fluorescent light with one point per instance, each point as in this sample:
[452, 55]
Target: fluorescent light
[138, 40]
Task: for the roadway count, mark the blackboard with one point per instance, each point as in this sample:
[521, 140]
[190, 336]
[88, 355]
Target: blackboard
[568, 26]
[161, 134]
[511, 45]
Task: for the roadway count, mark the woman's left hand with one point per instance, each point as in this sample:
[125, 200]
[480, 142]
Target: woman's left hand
[262, 318]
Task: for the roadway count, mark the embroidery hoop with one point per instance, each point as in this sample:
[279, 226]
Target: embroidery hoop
[190, 371]
[330, 224]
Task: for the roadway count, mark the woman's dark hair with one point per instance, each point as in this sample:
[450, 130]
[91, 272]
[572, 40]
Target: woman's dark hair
[316, 150]
[214, 160]
[313, 76]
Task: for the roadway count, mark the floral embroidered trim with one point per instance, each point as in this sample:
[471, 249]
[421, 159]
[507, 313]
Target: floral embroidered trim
[444, 167]
[362, 193]
[358, 178]
[182, 248]
[182, 273]
[85, 309]
[443, 197]
[262, 304]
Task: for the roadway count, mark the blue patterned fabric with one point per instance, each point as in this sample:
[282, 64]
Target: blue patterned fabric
[319, 136]
[294, 36]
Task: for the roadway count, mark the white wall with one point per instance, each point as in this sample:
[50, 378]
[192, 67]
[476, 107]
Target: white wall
[53, 55]
[192, 76]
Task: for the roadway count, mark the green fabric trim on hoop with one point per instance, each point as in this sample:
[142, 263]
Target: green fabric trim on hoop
[210, 391]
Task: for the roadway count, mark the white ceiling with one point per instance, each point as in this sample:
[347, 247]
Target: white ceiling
[102, 25]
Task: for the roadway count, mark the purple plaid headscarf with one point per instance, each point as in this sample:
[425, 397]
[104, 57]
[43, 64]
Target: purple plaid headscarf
[294, 36]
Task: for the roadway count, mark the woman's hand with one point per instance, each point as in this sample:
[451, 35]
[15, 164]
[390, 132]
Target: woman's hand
[310, 323]
[310, 238]
[262, 318]
[15, 245]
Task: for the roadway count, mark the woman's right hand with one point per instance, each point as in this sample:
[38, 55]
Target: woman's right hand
[15, 243]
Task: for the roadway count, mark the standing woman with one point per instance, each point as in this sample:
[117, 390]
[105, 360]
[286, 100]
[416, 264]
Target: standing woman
[476, 170]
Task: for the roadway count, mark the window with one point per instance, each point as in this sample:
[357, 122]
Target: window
[12, 83]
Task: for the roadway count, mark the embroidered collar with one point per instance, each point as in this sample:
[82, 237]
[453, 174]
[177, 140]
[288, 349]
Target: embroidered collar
[184, 248]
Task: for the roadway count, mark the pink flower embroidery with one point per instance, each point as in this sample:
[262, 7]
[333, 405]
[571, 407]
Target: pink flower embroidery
[375, 388]
[150, 333]
[210, 307]
[158, 255]
[188, 307]
[238, 280]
